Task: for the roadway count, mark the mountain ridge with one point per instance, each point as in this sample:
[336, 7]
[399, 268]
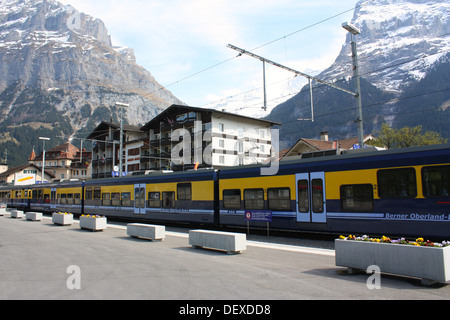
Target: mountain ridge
[401, 43]
[61, 70]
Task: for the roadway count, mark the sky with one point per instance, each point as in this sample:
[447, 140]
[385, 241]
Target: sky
[183, 43]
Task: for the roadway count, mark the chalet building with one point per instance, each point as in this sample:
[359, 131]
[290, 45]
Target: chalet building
[9, 176]
[64, 162]
[106, 149]
[214, 139]
[328, 147]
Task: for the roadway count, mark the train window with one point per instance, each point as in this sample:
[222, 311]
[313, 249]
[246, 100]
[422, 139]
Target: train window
[303, 196]
[317, 195]
[88, 193]
[184, 191]
[232, 199]
[126, 199]
[168, 199]
[63, 199]
[76, 198]
[139, 197]
[397, 183]
[279, 199]
[254, 199]
[97, 193]
[70, 198]
[34, 194]
[357, 197]
[154, 200]
[106, 199]
[115, 199]
[436, 181]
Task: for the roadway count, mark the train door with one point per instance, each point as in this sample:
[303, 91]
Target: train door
[53, 198]
[139, 199]
[311, 197]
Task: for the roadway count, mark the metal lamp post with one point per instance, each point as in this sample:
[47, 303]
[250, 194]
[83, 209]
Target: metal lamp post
[355, 31]
[43, 158]
[121, 105]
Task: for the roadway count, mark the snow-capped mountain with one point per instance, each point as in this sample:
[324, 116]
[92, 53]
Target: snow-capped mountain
[68, 56]
[400, 40]
[404, 57]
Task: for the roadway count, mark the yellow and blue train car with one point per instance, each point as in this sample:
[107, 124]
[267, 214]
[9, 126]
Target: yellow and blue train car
[17, 196]
[176, 197]
[395, 192]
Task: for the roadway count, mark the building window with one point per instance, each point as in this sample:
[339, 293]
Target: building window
[221, 159]
[221, 143]
[221, 127]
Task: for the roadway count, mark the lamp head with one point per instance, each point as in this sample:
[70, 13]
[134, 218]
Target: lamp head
[351, 28]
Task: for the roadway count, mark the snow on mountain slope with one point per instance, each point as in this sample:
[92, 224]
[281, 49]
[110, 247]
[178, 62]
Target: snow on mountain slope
[400, 40]
[46, 45]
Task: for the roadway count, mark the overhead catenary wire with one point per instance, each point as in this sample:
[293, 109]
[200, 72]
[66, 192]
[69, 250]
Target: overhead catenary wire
[162, 87]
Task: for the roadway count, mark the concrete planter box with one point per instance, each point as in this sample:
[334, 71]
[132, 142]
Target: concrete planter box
[146, 231]
[62, 219]
[34, 216]
[226, 241]
[17, 214]
[431, 264]
[2, 211]
[93, 224]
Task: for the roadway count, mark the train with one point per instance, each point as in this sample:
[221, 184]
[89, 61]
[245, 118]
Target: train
[402, 192]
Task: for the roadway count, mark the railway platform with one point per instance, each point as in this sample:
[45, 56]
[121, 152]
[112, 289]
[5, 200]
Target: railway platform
[39, 260]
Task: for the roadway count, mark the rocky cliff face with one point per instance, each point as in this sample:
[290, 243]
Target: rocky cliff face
[67, 57]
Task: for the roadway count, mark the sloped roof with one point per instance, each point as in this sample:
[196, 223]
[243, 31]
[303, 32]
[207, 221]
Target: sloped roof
[322, 145]
[103, 129]
[65, 151]
[174, 108]
[22, 167]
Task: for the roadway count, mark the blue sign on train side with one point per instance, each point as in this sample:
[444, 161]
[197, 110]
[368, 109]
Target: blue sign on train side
[258, 215]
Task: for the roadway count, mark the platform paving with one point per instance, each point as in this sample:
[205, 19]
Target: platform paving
[39, 260]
